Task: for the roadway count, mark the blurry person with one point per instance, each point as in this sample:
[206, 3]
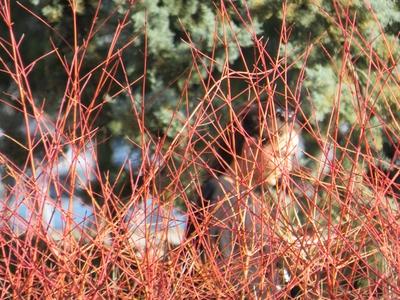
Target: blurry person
[153, 227]
[41, 213]
[47, 197]
[151, 224]
[230, 221]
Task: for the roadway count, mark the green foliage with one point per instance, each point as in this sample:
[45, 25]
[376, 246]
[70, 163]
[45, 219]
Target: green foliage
[53, 12]
[168, 25]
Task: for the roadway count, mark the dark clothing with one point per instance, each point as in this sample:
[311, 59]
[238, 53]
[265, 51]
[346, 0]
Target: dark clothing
[229, 228]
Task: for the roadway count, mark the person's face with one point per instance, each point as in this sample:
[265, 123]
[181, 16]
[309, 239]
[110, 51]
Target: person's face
[275, 157]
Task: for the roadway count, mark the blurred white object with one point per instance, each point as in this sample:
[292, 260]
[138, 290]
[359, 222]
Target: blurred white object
[82, 160]
[80, 216]
[124, 154]
[48, 198]
[26, 198]
[152, 228]
[54, 217]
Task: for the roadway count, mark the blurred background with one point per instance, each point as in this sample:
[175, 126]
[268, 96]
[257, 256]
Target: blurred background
[112, 106]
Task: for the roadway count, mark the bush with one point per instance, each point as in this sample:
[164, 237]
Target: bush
[117, 107]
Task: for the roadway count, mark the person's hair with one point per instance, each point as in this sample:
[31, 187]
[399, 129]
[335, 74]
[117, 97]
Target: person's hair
[251, 118]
